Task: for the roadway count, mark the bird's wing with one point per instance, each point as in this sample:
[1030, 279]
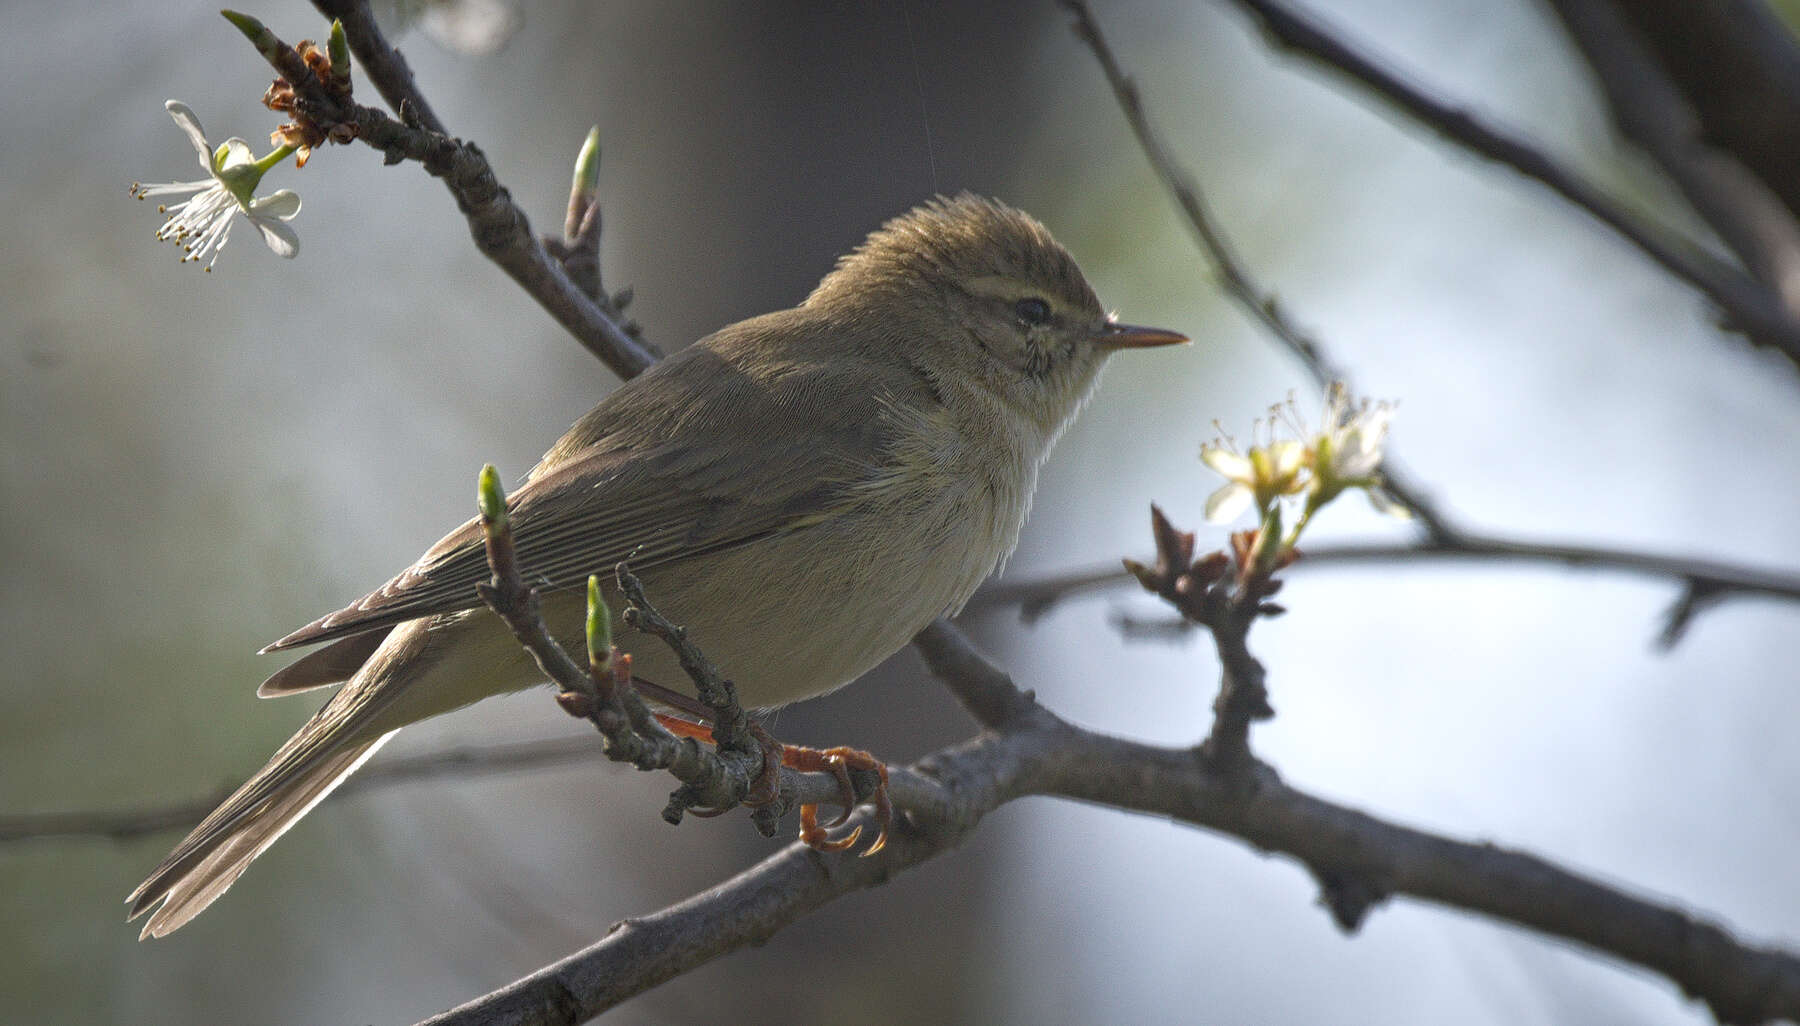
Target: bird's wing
[712, 483]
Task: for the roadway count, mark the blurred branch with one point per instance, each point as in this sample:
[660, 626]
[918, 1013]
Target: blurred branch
[1359, 861]
[1258, 302]
[1712, 580]
[1751, 308]
[1737, 65]
[501, 230]
[1746, 214]
[460, 762]
[1651, 110]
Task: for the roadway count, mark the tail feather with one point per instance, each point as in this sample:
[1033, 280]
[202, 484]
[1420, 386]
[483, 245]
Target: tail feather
[217, 853]
[336, 662]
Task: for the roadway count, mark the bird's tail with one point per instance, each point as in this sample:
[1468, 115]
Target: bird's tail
[211, 858]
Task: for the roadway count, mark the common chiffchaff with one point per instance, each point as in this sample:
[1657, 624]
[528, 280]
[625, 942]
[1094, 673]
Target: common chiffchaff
[804, 490]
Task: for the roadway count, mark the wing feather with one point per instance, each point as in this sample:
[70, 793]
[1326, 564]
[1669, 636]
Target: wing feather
[612, 490]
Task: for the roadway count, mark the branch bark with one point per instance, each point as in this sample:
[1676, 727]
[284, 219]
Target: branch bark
[1738, 65]
[1358, 859]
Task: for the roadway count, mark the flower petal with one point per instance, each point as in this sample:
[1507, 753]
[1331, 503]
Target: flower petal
[1226, 503]
[190, 126]
[281, 239]
[1357, 454]
[237, 152]
[1284, 459]
[281, 204]
[1226, 463]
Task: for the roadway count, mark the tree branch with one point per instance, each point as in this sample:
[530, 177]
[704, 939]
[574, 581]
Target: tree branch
[1360, 860]
[1750, 307]
[134, 823]
[501, 230]
[1737, 64]
[1652, 112]
[1715, 578]
[986, 691]
[380, 61]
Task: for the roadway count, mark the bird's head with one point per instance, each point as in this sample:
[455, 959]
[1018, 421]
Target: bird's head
[973, 291]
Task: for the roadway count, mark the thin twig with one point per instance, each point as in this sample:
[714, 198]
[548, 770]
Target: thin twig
[1359, 861]
[579, 248]
[985, 690]
[1750, 307]
[730, 724]
[1719, 579]
[1257, 301]
[1225, 594]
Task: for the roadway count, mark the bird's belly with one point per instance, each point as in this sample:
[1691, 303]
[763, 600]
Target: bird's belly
[803, 613]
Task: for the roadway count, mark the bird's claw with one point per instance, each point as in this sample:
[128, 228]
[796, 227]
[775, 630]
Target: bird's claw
[839, 762]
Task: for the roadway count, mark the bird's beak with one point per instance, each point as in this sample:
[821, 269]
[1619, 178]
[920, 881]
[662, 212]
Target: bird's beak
[1131, 336]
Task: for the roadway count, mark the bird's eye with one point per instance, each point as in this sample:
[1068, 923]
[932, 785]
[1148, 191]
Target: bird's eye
[1033, 311]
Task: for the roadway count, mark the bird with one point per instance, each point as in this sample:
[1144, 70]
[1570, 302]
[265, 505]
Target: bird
[805, 490]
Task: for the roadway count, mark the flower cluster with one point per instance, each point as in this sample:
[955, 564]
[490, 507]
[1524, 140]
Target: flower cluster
[1289, 459]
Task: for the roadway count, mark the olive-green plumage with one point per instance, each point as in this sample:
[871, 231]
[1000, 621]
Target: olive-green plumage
[805, 490]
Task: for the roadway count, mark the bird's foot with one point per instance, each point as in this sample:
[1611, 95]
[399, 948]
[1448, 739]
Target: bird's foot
[839, 762]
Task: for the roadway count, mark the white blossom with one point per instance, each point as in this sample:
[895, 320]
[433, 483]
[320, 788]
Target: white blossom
[1347, 449]
[201, 223]
[1263, 475]
[1290, 458]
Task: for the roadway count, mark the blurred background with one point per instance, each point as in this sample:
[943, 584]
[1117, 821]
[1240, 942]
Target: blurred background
[193, 464]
